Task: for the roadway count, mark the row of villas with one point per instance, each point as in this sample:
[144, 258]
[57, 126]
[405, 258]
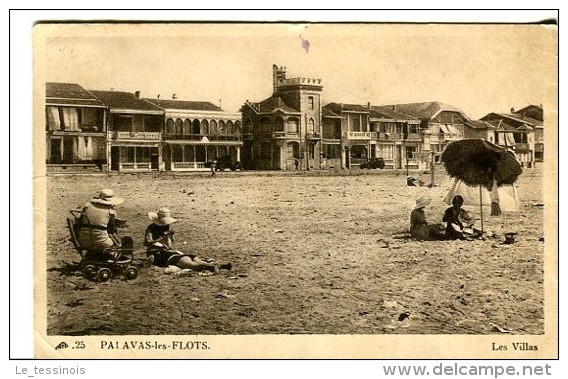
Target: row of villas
[290, 130]
[119, 131]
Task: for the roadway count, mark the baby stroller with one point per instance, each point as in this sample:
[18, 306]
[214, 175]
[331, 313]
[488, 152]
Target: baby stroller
[102, 265]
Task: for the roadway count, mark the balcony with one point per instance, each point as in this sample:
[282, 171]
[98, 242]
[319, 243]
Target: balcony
[412, 137]
[313, 136]
[59, 129]
[136, 136]
[278, 135]
[362, 135]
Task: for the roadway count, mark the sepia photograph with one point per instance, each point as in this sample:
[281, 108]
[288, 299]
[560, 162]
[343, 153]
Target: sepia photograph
[296, 190]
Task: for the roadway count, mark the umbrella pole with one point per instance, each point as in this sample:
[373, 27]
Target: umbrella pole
[481, 208]
[432, 169]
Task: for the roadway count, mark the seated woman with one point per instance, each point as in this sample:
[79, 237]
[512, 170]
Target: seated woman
[96, 228]
[419, 228]
[159, 245]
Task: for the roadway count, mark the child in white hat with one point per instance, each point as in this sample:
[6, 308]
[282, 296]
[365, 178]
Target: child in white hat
[159, 245]
[419, 227]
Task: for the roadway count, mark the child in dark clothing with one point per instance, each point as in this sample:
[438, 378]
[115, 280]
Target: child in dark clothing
[453, 217]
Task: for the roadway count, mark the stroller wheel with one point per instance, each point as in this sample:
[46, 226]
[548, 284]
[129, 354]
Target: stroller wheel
[89, 271]
[131, 273]
[104, 275]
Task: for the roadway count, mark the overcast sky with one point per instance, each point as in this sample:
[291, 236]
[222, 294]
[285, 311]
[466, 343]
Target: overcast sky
[477, 68]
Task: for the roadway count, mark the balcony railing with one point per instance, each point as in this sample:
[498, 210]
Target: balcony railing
[198, 137]
[74, 127]
[362, 135]
[138, 166]
[189, 166]
[150, 136]
[412, 137]
[313, 136]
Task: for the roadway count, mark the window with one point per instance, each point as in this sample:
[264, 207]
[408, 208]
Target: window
[311, 126]
[143, 154]
[292, 126]
[237, 128]
[265, 125]
[410, 152]
[388, 152]
[188, 154]
[278, 124]
[179, 126]
[177, 153]
[310, 102]
[123, 124]
[293, 150]
[205, 127]
[213, 128]
[332, 151]
[265, 150]
[187, 126]
[195, 128]
[355, 122]
[170, 126]
[414, 128]
[312, 150]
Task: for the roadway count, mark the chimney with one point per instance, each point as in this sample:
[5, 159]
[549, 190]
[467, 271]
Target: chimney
[157, 97]
[137, 94]
[174, 96]
[512, 110]
[368, 105]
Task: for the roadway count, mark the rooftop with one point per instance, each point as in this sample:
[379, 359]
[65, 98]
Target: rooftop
[185, 105]
[69, 94]
[426, 110]
[124, 100]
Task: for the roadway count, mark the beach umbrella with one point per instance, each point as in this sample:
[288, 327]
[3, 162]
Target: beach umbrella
[478, 162]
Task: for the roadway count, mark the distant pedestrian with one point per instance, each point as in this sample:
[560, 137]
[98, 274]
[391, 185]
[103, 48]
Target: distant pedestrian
[296, 164]
[213, 167]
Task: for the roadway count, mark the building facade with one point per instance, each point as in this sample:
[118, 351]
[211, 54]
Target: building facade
[356, 142]
[134, 138]
[480, 129]
[75, 127]
[514, 133]
[534, 115]
[440, 124]
[197, 132]
[399, 138]
[283, 131]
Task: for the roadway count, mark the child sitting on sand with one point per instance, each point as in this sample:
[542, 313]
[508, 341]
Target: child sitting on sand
[459, 222]
[159, 246]
[419, 228]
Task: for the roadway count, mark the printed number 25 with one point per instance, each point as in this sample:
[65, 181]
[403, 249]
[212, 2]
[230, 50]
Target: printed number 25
[79, 345]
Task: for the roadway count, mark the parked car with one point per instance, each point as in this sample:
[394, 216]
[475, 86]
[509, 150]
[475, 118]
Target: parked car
[374, 163]
[228, 162]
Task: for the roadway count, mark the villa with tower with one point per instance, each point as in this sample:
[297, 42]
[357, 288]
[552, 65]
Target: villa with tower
[283, 131]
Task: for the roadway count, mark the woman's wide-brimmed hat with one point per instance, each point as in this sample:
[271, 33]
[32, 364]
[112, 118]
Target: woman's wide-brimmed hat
[106, 197]
[162, 217]
[421, 202]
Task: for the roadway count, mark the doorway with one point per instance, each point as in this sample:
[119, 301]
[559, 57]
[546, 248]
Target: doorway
[114, 158]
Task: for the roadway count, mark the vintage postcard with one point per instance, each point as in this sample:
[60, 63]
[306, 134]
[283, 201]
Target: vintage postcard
[286, 190]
